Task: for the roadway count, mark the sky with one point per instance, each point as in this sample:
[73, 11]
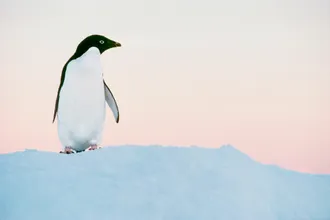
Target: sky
[253, 74]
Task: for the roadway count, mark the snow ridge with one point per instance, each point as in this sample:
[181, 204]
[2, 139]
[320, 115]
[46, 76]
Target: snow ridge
[155, 182]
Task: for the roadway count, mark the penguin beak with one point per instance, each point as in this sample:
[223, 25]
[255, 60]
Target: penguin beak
[117, 44]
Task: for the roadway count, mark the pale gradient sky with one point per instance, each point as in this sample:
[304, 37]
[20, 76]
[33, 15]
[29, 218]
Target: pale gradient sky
[254, 74]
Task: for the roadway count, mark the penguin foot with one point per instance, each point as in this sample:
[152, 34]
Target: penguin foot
[68, 150]
[93, 147]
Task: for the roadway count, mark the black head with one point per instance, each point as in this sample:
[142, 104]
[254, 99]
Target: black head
[98, 41]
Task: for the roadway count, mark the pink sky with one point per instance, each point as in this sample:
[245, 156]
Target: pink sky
[206, 73]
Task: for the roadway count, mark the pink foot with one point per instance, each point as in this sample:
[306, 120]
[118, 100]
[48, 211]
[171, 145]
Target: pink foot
[93, 147]
[67, 150]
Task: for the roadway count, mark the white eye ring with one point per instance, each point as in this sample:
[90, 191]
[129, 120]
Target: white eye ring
[101, 41]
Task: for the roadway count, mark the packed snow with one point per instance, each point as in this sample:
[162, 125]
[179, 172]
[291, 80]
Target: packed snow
[156, 182]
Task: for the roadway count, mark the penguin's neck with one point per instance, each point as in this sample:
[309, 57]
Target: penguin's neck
[92, 53]
[91, 59]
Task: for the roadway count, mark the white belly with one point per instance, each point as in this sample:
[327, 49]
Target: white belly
[81, 110]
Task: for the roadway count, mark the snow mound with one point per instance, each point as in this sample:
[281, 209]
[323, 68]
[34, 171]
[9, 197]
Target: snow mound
[155, 182]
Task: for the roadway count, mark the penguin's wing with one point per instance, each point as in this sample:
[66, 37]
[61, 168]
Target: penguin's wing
[111, 102]
[59, 89]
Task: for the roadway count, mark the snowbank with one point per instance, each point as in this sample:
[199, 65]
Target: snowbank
[154, 182]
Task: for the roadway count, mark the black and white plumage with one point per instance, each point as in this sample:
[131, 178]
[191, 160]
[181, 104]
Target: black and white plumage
[81, 96]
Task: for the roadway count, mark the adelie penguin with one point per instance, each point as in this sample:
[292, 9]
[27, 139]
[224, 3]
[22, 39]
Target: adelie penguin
[81, 97]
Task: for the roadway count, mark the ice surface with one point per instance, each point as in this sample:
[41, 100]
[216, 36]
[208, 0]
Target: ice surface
[154, 182]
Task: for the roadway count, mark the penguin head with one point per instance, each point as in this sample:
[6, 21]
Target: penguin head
[98, 41]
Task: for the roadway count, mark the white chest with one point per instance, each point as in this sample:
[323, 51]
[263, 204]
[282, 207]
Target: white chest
[82, 102]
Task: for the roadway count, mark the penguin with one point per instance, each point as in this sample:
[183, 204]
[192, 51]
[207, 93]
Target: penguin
[80, 103]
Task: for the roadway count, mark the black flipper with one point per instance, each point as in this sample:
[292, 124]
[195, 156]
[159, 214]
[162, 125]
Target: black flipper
[110, 99]
[60, 87]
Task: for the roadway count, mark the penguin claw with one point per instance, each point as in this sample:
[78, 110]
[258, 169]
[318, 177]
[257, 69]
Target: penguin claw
[92, 147]
[68, 150]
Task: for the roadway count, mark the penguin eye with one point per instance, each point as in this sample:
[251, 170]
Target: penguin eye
[101, 41]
